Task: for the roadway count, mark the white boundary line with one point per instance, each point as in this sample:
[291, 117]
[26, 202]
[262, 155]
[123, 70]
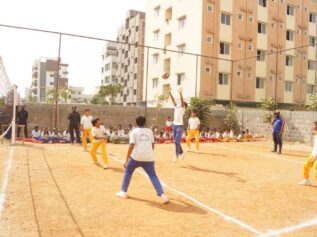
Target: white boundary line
[290, 229]
[4, 184]
[259, 154]
[224, 216]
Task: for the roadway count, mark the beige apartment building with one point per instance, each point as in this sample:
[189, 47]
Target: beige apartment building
[245, 34]
[44, 77]
[131, 58]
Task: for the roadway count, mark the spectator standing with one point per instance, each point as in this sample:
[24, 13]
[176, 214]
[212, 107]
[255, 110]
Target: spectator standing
[74, 123]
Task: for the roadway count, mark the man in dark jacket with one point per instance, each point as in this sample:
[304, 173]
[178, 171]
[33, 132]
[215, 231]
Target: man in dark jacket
[74, 123]
[22, 118]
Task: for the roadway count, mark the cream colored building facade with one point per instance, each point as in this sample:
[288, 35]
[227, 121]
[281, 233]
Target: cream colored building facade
[232, 30]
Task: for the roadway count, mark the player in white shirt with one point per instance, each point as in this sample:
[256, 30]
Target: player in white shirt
[86, 126]
[99, 139]
[193, 131]
[140, 154]
[178, 123]
[311, 161]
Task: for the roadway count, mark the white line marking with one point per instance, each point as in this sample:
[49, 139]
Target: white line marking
[5, 181]
[289, 229]
[259, 154]
[224, 216]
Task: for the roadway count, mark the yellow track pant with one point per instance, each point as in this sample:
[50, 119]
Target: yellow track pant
[86, 132]
[94, 148]
[193, 133]
[308, 165]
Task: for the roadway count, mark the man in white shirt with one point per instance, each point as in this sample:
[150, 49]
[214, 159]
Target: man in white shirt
[193, 131]
[86, 126]
[36, 133]
[178, 123]
[99, 139]
[140, 154]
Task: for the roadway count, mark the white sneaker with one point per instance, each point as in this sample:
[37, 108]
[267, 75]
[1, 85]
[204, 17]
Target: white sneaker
[165, 198]
[105, 166]
[122, 194]
[305, 182]
[175, 158]
[188, 149]
[182, 156]
[197, 151]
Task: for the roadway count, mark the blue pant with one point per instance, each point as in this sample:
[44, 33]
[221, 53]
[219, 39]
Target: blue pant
[148, 168]
[177, 133]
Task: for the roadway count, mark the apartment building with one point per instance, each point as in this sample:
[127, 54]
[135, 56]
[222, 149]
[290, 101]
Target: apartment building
[237, 39]
[5, 85]
[109, 64]
[131, 58]
[44, 77]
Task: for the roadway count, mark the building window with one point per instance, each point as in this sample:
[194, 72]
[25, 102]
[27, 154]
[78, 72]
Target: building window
[157, 11]
[155, 58]
[288, 86]
[209, 39]
[240, 16]
[210, 8]
[208, 70]
[311, 65]
[250, 47]
[156, 34]
[135, 60]
[310, 89]
[239, 45]
[224, 48]
[239, 74]
[225, 19]
[260, 55]
[154, 83]
[251, 19]
[261, 28]
[181, 50]
[289, 60]
[312, 17]
[312, 41]
[262, 3]
[180, 79]
[259, 83]
[289, 35]
[223, 79]
[290, 10]
[181, 22]
[250, 76]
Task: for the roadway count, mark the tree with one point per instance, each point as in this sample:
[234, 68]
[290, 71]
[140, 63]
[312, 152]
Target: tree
[159, 104]
[64, 93]
[268, 106]
[32, 99]
[111, 91]
[98, 100]
[231, 119]
[312, 104]
[202, 109]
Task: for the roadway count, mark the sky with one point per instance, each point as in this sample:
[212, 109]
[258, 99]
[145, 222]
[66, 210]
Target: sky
[96, 18]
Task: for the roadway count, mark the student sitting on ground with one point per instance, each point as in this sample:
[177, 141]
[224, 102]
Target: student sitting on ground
[115, 138]
[125, 137]
[36, 133]
[56, 135]
[66, 136]
[46, 136]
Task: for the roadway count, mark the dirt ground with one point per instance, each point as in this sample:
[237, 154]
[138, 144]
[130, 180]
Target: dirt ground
[229, 189]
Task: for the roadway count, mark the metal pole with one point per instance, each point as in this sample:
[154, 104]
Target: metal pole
[231, 84]
[57, 80]
[196, 76]
[15, 100]
[277, 49]
[146, 82]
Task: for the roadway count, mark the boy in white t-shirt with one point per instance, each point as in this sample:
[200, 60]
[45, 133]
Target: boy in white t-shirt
[99, 139]
[193, 131]
[140, 154]
[178, 123]
[86, 126]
